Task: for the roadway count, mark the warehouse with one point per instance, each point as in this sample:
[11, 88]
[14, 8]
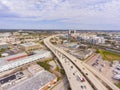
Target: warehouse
[8, 80]
[7, 65]
[41, 81]
[16, 56]
[29, 46]
[4, 45]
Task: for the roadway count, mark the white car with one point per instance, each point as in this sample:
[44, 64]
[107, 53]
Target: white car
[118, 67]
[116, 71]
[117, 77]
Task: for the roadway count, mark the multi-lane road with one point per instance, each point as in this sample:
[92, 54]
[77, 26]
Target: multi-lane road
[77, 70]
[76, 80]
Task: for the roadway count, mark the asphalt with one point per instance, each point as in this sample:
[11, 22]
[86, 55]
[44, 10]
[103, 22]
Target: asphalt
[86, 69]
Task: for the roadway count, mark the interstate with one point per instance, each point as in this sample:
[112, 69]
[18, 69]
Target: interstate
[77, 70]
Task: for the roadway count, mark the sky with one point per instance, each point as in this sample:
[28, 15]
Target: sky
[60, 14]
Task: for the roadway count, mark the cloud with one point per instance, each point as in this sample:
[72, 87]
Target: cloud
[89, 12]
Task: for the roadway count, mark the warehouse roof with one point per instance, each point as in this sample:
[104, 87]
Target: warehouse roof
[6, 65]
[28, 44]
[13, 56]
[3, 43]
[36, 82]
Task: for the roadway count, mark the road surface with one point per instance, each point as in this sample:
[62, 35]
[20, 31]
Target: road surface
[72, 78]
[86, 69]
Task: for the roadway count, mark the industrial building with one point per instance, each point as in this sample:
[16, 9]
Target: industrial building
[91, 39]
[29, 46]
[40, 81]
[15, 56]
[7, 38]
[4, 45]
[5, 64]
[11, 79]
[36, 79]
[34, 69]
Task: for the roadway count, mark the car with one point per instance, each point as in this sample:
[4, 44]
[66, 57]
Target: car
[97, 60]
[86, 73]
[116, 71]
[82, 79]
[103, 65]
[75, 60]
[96, 63]
[93, 64]
[83, 86]
[71, 66]
[117, 77]
[118, 67]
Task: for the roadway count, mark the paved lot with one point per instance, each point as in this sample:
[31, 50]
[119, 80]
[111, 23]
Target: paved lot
[106, 70]
[63, 85]
[77, 52]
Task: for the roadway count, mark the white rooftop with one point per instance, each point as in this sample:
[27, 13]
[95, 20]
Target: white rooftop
[6, 65]
[13, 56]
[5, 34]
[28, 44]
[3, 43]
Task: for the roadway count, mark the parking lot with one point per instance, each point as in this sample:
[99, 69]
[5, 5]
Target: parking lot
[104, 67]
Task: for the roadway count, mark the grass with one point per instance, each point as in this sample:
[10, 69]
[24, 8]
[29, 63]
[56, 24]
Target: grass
[45, 65]
[42, 42]
[62, 71]
[97, 51]
[107, 55]
[118, 84]
[57, 68]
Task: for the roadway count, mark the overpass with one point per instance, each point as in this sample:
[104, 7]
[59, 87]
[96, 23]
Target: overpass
[74, 69]
[73, 75]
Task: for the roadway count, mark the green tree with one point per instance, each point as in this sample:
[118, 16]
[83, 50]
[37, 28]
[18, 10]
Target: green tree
[97, 51]
[62, 71]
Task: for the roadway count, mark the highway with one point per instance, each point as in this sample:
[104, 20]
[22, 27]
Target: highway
[84, 68]
[93, 81]
[76, 80]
